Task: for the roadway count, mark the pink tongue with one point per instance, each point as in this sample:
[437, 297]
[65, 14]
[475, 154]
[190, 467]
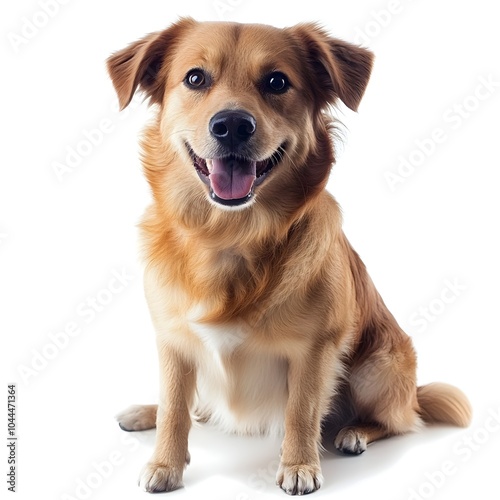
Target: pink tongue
[232, 179]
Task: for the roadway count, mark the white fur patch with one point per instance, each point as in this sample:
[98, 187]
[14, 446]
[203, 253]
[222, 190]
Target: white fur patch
[252, 403]
[249, 398]
[220, 340]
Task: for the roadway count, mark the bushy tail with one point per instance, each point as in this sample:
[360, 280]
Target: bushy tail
[444, 403]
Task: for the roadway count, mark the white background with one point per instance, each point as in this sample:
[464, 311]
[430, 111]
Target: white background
[62, 239]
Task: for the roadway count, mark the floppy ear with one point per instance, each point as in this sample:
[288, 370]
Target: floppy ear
[341, 69]
[140, 63]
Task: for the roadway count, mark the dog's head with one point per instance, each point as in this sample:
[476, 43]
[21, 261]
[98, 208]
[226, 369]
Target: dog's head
[241, 107]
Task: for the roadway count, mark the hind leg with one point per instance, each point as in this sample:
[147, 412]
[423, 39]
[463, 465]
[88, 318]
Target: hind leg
[385, 397]
[137, 418]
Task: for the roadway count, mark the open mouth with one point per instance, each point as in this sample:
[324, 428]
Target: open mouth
[232, 178]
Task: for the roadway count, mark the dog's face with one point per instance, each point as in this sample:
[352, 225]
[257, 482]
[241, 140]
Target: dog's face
[242, 105]
[231, 96]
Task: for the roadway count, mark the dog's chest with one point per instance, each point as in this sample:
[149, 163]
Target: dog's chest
[241, 387]
[241, 384]
[220, 340]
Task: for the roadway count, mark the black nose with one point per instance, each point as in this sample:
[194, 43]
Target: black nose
[232, 128]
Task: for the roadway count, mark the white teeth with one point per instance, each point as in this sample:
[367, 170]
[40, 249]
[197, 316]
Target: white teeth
[210, 165]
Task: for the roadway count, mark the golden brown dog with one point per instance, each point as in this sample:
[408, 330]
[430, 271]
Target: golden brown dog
[266, 318]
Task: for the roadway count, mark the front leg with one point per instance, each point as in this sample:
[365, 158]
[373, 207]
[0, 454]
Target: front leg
[310, 387]
[177, 385]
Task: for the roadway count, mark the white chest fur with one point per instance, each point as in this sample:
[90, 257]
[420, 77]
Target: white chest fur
[243, 390]
[221, 340]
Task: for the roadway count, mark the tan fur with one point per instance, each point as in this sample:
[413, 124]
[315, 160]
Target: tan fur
[262, 313]
[444, 403]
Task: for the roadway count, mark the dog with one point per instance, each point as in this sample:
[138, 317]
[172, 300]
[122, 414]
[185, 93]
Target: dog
[266, 318]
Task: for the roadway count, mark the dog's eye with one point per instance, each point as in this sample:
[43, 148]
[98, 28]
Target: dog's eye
[276, 83]
[196, 79]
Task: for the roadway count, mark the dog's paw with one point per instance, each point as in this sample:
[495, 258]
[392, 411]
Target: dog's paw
[156, 478]
[349, 440]
[137, 418]
[299, 479]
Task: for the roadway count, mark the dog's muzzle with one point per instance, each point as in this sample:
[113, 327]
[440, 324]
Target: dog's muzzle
[233, 174]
